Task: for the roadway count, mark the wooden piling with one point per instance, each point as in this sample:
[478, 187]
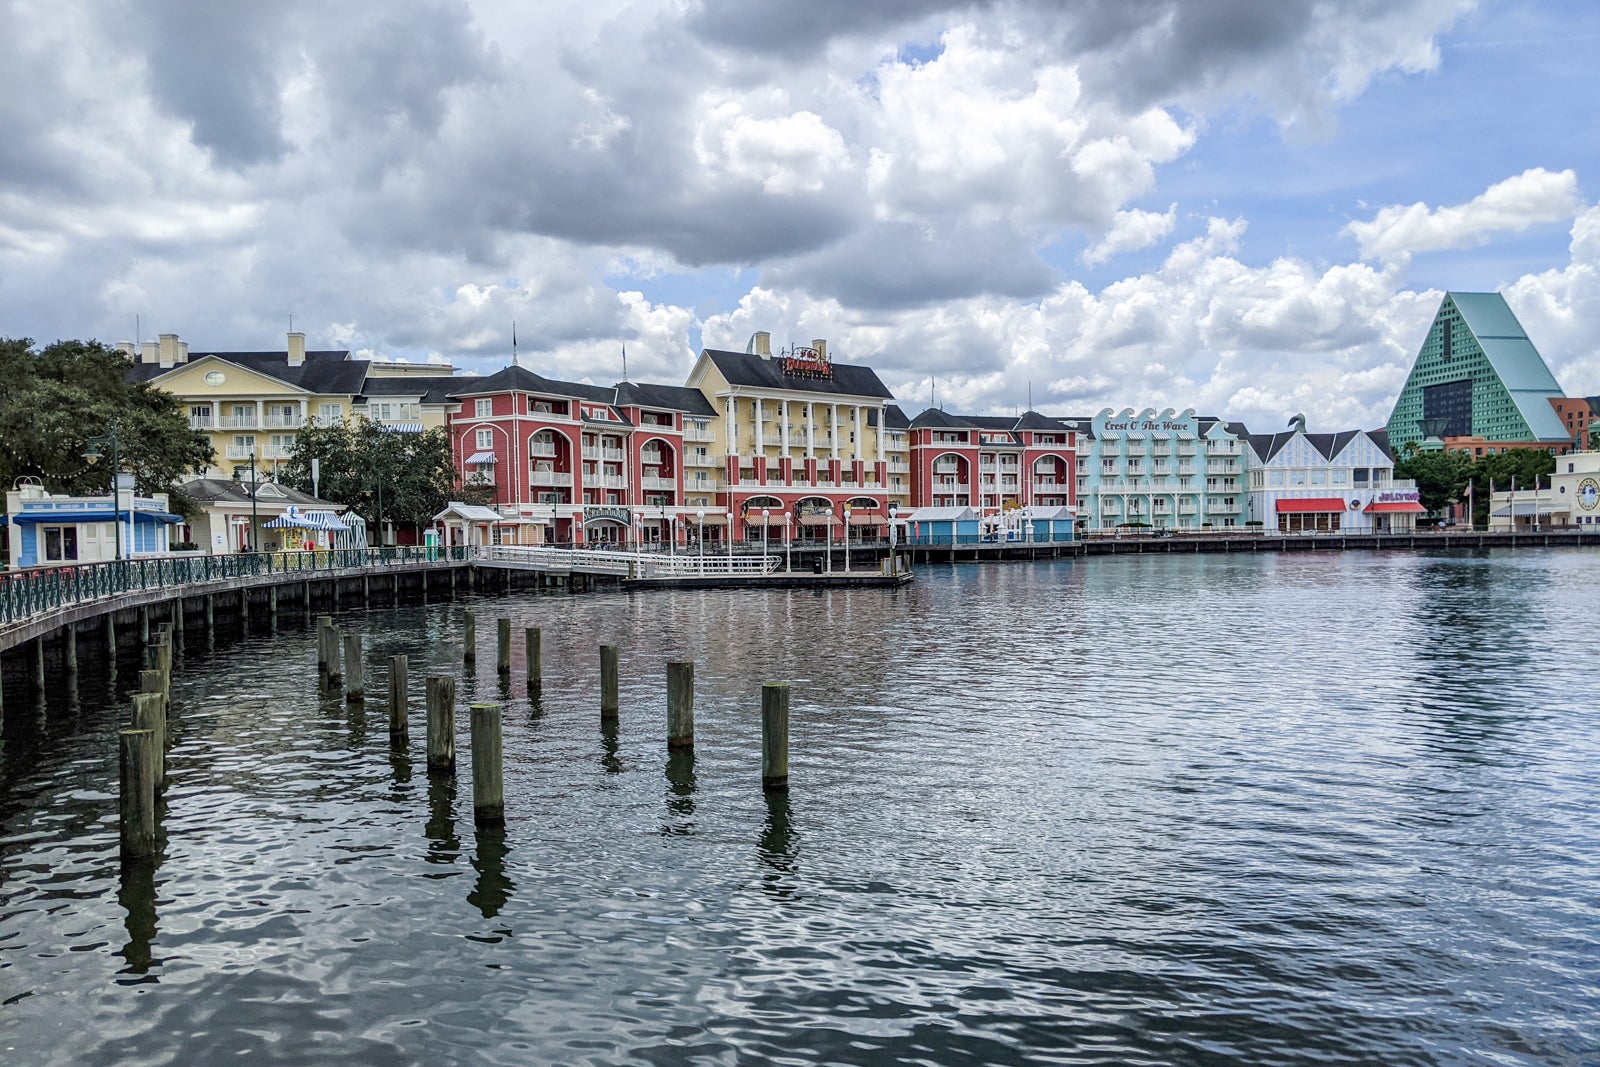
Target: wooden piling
[399, 700]
[108, 631]
[680, 705]
[244, 610]
[488, 783]
[69, 648]
[441, 724]
[335, 647]
[211, 616]
[532, 640]
[608, 682]
[151, 681]
[775, 736]
[469, 640]
[150, 713]
[323, 623]
[38, 664]
[137, 802]
[502, 653]
[272, 608]
[144, 627]
[355, 676]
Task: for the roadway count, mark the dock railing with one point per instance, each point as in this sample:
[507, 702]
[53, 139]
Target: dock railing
[27, 593]
[626, 564]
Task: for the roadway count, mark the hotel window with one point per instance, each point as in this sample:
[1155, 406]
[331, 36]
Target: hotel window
[1319, 477]
[330, 414]
[199, 412]
[483, 408]
[485, 439]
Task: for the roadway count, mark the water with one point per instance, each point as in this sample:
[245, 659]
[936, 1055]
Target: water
[1137, 810]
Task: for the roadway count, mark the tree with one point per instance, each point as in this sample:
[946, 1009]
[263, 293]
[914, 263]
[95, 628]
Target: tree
[54, 400]
[1441, 477]
[1527, 468]
[406, 478]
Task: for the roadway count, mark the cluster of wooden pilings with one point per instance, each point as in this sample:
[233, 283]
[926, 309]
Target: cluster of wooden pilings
[340, 662]
[143, 750]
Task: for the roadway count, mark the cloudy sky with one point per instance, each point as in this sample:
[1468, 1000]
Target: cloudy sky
[1250, 207]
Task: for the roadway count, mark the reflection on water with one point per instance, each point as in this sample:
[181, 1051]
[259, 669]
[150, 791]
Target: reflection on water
[1143, 810]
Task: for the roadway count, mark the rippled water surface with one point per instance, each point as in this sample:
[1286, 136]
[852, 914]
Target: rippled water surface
[1136, 810]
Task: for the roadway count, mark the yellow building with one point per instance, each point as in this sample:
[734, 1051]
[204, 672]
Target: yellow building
[797, 440]
[254, 403]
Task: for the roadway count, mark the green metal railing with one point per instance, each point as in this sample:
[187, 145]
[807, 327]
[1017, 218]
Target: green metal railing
[25, 594]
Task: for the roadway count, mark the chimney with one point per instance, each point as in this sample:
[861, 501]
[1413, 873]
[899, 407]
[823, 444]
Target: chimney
[150, 352]
[297, 349]
[167, 348]
[760, 343]
[129, 349]
[183, 351]
[820, 347]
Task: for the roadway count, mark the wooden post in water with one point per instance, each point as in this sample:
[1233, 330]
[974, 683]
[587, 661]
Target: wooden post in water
[69, 650]
[323, 622]
[144, 627]
[469, 641]
[211, 616]
[136, 808]
[532, 639]
[441, 724]
[109, 634]
[488, 783]
[38, 664]
[335, 663]
[608, 682]
[272, 608]
[399, 700]
[502, 653]
[150, 713]
[680, 705]
[775, 736]
[355, 683]
[150, 681]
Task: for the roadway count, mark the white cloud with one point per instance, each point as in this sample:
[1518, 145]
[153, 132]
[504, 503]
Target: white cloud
[1528, 199]
[1131, 231]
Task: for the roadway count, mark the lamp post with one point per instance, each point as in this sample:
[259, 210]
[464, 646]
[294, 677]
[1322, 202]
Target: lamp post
[95, 447]
[254, 545]
[847, 538]
[788, 542]
[730, 540]
[766, 520]
[700, 536]
[894, 509]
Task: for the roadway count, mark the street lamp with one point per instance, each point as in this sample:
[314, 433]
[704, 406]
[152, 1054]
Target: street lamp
[847, 538]
[894, 509]
[766, 519]
[730, 540]
[95, 447]
[254, 545]
[700, 536]
[788, 542]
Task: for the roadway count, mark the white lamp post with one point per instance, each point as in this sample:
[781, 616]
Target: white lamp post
[788, 543]
[700, 536]
[894, 509]
[730, 540]
[847, 538]
[766, 519]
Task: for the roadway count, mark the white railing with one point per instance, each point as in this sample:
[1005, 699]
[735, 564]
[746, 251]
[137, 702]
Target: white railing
[549, 478]
[651, 481]
[633, 564]
[202, 422]
[650, 455]
[605, 481]
[240, 451]
[542, 449]
[237, 422]
[698, 436]
[292, 422]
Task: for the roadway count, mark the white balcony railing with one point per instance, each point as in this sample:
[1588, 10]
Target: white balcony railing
[551, 478]
[699, 435]
[288, 422]
[650, 455]
[236, 452]
[542, 449]
[606, 481]
[202, 422]
[651, 481]
[614, 455]
[1050, 488]
[237, 422]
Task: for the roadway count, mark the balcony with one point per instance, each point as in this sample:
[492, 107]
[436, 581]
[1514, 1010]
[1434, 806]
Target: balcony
[1136, 450]
[542, 449]
[237, 422]
[234, 452]
[551, 478]
[291, 422]
[1222, 467]
[945, 467]
[701, 435]
[899, 467]
[707, 460]
[1222, 509]
[650, 455]
[201, 422]
[1186, 449]
[651, 481]
[1186, 468]
[1187, 509]
[605, 481]
[958, 488]
[1050, 488]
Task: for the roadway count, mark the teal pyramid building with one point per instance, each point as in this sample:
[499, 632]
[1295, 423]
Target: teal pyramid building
[1477, 375]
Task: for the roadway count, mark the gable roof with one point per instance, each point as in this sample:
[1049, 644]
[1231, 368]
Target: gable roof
[744, 368]
[324, 371]
[522, 380]
[1012, 424]
[432, 389]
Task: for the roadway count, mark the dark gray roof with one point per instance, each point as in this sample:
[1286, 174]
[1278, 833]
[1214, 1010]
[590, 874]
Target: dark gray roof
[1381, 439]
[937, 417]
[522, 380]
[224, 490]
[665, 398]
[743, 368]
[1012, 424]
[893, 417]
[432, 389]
[328, 372]
[1268, 445]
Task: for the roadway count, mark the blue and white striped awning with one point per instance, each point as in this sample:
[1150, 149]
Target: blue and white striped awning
[481, 457]
[294, 518]
[401, 427]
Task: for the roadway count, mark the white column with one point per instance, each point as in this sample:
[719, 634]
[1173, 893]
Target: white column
[883, 431]
[761, 440]
[783, 425]
[729, 420]
[861, 433]
[260, 423]
[811, 429]
[833, 415]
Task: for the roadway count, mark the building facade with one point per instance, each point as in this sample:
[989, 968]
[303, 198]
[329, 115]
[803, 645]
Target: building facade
[1164, 470]
[55, 530]
[992, 464]
[1327, 483]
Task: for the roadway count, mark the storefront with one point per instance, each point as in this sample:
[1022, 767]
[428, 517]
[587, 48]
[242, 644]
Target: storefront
[1312, 514]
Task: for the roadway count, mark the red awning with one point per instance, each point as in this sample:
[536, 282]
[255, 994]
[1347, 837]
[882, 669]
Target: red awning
[819, 520]
[1409, 507]
[866, 519]
[1312, 504]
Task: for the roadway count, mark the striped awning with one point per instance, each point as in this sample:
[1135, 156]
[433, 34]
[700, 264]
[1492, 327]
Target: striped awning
[825, 519]
[866, 519]
[400, 427]
[481, 457]
[305, 520]
[711, 518]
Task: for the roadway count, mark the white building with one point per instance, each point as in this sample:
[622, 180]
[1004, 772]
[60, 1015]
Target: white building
[48, 530]
[1327, 482]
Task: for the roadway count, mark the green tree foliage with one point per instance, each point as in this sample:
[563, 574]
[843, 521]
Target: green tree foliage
[1529, 467]
[404, 478]
[1441, 477]
[53, 400]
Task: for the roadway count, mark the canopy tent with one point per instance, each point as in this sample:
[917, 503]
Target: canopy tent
[296, 519]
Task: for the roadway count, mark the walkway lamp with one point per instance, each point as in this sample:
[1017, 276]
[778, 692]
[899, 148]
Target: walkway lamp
[94, 449]
[766, 521]
[788, 542]
[894, 509]
[700, 534]
[730, 540]
[254, 545]
[847, 538]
